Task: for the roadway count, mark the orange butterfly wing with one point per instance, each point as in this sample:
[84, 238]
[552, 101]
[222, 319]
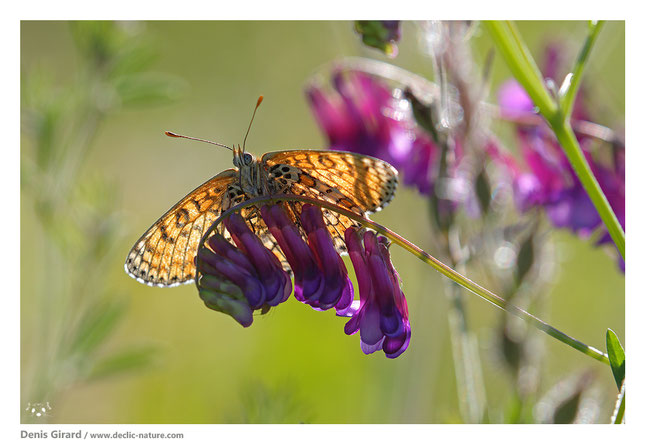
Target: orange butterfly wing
[361, 184]
[164, 255]
[368, 182]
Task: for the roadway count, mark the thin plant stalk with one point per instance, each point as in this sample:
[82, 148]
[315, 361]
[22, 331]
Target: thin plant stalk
[572, 82]
[620, 406]
[464, 344]
[468, 371]
[468, 368]
[556, 112]
[426, 258]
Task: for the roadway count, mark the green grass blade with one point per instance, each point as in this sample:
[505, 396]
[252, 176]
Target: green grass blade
[127, 360]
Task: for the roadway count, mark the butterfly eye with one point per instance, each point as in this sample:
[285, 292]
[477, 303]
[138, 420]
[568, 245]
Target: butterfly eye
[247, 158]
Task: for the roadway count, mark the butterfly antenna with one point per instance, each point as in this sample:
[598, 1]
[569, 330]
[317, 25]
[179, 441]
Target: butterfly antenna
[252, 116]
[175, 135]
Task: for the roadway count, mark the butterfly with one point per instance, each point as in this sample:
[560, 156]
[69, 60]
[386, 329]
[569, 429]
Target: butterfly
[164, 255]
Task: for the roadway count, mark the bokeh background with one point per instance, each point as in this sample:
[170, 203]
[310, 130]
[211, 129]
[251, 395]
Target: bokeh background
[294, 364]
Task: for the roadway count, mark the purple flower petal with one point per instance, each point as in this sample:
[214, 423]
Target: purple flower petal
[335, 274]
[274, 279]
[367, 348]
[369, 327]
[382, 316]
[514, 100]
[395, 346]
[309, 282]
[248, 282]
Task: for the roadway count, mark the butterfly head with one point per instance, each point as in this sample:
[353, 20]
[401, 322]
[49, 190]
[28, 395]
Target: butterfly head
[242, 158]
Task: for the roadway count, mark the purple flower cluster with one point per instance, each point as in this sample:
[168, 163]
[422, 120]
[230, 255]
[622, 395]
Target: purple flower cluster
[363, 114]
[549, 181]
[237, 280]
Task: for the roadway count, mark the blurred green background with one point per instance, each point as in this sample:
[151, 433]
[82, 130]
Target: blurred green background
[294, 364]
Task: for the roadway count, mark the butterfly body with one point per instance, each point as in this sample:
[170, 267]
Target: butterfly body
[164, 255]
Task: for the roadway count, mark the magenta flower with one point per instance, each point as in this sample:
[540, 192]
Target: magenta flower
[238, 280]
[382, 316]
[362, 114]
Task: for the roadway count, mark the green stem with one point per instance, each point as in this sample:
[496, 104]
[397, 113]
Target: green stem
[468, 370]
[620, 406]
[524, 69]
[425, 257]
[522, 65]
[568, 141]
[569, 94]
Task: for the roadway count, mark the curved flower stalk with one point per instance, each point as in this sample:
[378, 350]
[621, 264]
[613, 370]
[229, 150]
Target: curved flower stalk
[419, 253]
